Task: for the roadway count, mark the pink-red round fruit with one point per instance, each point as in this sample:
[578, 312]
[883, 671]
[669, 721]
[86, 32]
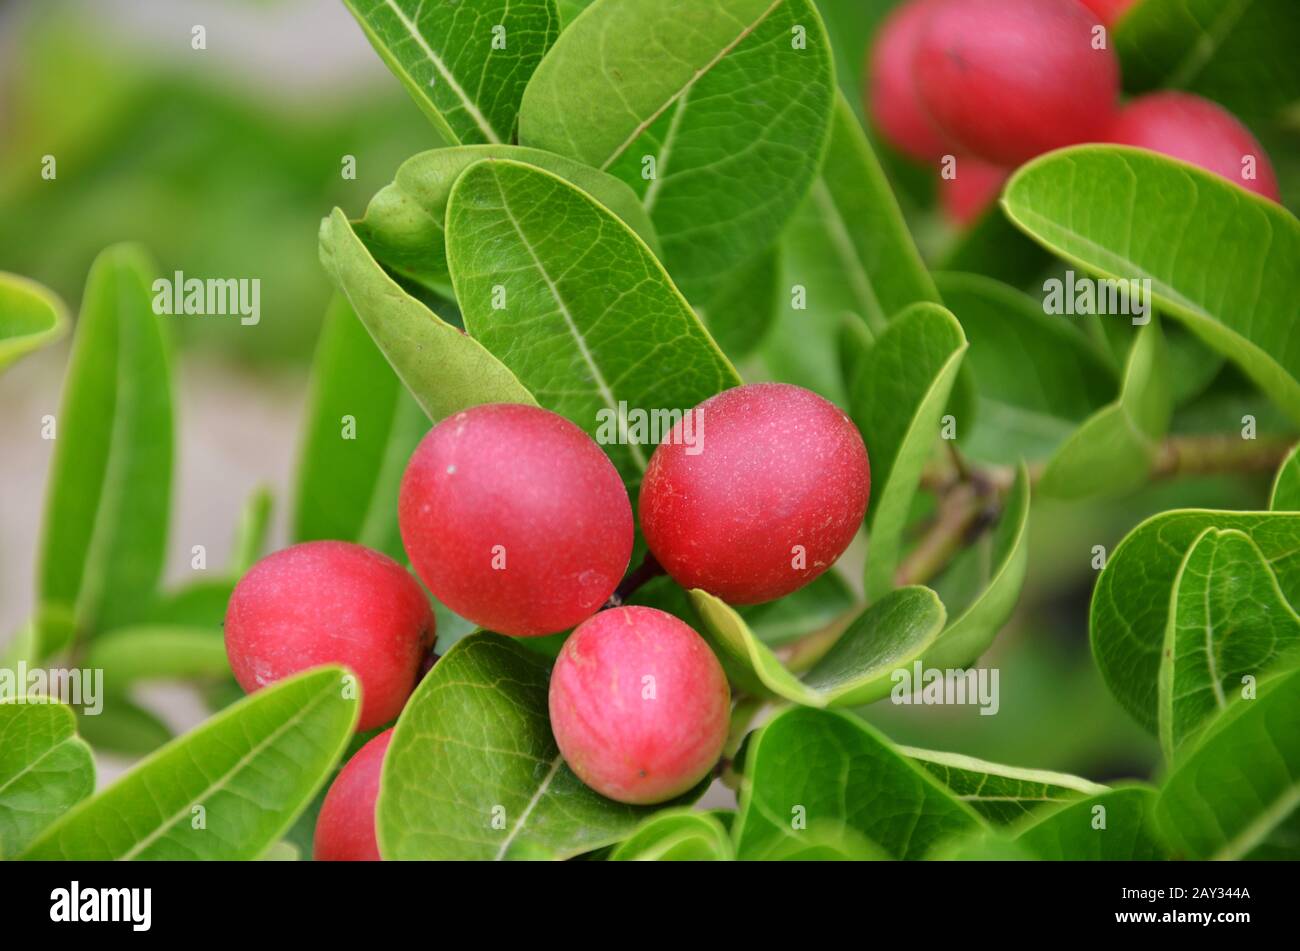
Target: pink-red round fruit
[1006, 80]
[639, 705]
[345, 828]
[515, 519]
[972, 189]
[1108, 10]
[891, 87]
[1199, 132]
[763, 500]
[331, 602]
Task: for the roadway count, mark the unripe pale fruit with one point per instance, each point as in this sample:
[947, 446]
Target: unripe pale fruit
[515, 519]
[1006, 80]
[771, 492]
[330, 602]
[345, 828]
[1108, 10]
[639, 705]
[971, 191]
[1199, 132]
[891, 89]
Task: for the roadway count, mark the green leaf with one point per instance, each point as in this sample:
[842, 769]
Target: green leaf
[972, 632]
[254, 526]
[1241, 54]
[105, 532]
[676, 836]
[1220, 259]
[31, 317]
[251, 768]
[362, 426]
[1131, 603]
[1036, 377]
[995, 248]
[1228, 619]
[200, 604]
[590, 320]
[1237, 795]
[823, 767]
[465, 64]
[899, 394]
[404, 226]
[473, 771]
[445, 369]
[741, 313]
[155, 652]
[731, 99]
[858, 669]
[1112, 826]
[1001, 794]
[1113, 451]
[44, 770]
[1286, 487]
[848, 247]
[125, 728]
[822, 602]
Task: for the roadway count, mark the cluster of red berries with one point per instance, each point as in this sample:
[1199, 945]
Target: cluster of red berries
[997, 82]
[516, 520]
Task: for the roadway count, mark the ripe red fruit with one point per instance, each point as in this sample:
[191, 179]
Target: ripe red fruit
[1108, 10]
[639, 705]
[1009, 79]
[971, 191]
[770, 494]
[515, 519]
[345, 828]
[1197, 131]
[891, 89]
[330, 602]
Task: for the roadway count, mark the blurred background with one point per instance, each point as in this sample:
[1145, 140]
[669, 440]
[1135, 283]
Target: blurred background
[222, 162]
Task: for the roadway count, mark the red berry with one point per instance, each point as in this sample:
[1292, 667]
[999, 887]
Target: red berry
[1108, 10]
[1197, 131]
[764, 500]
[331, 602]
[639, 705]
[345, 828]
[515, 519]
[973, 188]
[891, 90]
[1009, 79]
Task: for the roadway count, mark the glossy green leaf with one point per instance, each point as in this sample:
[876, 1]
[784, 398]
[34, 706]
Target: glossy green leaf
[1239, 53]
[676, 836]
[404, 226]
[464, 63]
[1001, 794]
[1131, 603]
[972, 632]
[1037, 378]
[1111, 826]
[846, 251]
[891, 634]
[729, 99]
[31, 317]
[817, 768]
[1228, 619]
[45, 769]
[897, 402]
[227, 790]
[1220, 259]
[473, 771]
[150, 652]
[252, 531]
[445, 369]
[824, 601]
[362, 426]
[1286, 487]
[106, 510]
[589, 318]
[740, 315]
[1237, 795]
[1112, 452]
